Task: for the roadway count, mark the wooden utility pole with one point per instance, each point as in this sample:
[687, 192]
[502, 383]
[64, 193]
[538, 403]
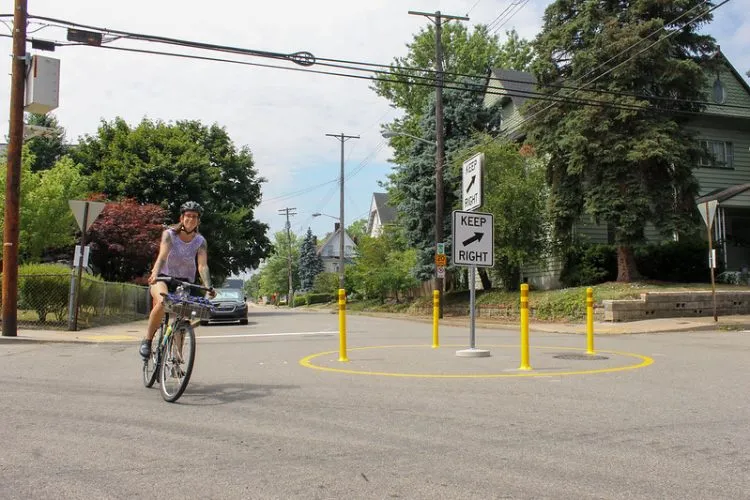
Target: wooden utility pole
[437, 18]
[289, 211]
[11, 220]
[343, 138]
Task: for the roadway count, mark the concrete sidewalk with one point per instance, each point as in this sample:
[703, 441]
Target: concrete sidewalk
[133, 331]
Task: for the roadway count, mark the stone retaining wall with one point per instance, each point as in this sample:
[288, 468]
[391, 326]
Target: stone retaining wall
[677, 304]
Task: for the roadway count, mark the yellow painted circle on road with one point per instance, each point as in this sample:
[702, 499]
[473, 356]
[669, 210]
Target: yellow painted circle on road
[642, 362]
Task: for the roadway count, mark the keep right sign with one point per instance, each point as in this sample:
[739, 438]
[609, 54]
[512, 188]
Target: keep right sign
[473, 239]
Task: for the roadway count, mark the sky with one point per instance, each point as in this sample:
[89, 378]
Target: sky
[282, 116]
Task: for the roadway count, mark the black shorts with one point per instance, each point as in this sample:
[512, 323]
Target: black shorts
[172, 287]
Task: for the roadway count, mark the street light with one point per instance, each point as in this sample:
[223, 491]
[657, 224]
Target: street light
[341, 246]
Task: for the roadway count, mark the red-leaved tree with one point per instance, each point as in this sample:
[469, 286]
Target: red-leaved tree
[125, 239]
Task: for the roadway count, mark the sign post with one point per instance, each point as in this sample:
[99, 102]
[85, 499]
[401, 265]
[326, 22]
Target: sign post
[708, 212]
[473, 246]
[85, 213]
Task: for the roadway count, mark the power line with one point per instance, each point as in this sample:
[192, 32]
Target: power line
[510, 16]
[329, 62]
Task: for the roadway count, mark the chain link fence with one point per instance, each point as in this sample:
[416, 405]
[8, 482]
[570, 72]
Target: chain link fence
[45, 302]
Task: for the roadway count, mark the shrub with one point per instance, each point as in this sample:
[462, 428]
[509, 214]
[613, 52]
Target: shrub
[44, 288]
[326, 283]
[684, 261]
[585, 265]
[319, 298]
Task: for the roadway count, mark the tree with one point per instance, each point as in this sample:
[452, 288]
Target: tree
[413, 181]
[310, 263]
[45, 217]
[411, 185]
[383, 265]
[622, 162]
[252, 286]
[408, 86]
[357, 230]
[169, 163]
[125, 239]
[274, 276]
[47, 150]
[515, 193]
[47, 221]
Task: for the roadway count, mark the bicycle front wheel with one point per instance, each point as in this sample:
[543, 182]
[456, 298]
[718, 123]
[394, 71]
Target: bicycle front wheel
[177, 362]
[151, 365]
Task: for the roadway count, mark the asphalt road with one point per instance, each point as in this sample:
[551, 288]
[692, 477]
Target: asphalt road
[255, 423]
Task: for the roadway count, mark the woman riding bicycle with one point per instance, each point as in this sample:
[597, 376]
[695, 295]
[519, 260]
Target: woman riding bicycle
[179, 247]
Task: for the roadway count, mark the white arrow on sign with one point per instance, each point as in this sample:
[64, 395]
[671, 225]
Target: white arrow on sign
[708, 211]
[78, 207]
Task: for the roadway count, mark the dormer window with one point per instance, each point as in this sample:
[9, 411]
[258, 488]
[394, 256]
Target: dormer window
[719, 92]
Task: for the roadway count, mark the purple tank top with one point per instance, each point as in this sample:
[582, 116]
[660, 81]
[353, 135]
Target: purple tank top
[181, 258]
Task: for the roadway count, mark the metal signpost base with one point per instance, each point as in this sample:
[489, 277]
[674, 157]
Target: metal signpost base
[472, 352]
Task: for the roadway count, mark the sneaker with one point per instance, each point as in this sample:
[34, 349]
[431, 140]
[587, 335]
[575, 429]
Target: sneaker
[145, 349]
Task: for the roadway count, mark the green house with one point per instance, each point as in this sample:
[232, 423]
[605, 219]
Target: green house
[724, 131]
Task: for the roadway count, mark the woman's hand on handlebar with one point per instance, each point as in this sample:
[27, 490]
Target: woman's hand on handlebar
[211, 293]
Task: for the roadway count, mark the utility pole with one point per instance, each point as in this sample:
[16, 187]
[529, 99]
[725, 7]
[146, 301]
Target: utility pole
[289, 211]
[13, 175]
[437, 18]
[343, 138]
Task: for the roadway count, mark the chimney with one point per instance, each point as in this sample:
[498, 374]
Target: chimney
[335, 227]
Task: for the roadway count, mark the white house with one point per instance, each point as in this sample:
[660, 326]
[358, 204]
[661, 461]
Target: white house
[329, 250]
[381, 213]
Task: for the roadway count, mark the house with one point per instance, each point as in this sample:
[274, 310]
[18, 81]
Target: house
[329, 250]
[723, 128]
[381, 214]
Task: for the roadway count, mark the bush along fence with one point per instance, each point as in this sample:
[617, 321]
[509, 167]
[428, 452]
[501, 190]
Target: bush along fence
[45, 301]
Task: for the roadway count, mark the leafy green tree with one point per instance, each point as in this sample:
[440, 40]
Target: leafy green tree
[408, 86]
[357, 230]
[515, 193]
[45, 217]
[411, 184]
[47, 221]
[170, 163]
[622, 163]
[47, 150]
[310, 263]
[125, 240]
[384, 266]
[274, 275]
[252, 287]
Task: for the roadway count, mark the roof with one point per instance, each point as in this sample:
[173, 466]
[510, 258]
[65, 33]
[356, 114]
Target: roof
[521, 83]
[386, 212]
[723, 194]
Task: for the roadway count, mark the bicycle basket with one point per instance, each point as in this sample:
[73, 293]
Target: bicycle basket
[185, 306]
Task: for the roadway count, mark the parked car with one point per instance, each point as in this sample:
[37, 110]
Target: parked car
[230, 304]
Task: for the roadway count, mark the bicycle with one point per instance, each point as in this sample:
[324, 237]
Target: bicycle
[173, 349]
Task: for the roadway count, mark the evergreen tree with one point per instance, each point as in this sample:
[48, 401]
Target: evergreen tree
[624, 163]
[46, 149]
[310, 263]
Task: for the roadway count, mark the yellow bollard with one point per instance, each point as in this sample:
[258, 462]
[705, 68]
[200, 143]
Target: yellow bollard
[590, 321]
[435, 317]
[342, 325]
[525, 328]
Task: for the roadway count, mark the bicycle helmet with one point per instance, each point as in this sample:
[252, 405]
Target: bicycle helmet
[191, 206]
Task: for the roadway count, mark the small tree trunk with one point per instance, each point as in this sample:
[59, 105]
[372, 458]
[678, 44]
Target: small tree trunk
[627, 270]
[485, 278]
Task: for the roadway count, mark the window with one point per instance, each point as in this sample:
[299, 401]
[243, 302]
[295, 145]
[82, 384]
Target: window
[719, 92]
[721, 154]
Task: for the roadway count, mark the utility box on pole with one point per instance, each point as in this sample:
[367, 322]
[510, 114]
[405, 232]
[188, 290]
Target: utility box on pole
[42, 85]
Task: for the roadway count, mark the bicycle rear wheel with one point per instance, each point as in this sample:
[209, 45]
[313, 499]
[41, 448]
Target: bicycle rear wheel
[151, 365]
[177, 362]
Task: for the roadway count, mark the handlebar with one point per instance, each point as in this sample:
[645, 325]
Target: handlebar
[170, 280]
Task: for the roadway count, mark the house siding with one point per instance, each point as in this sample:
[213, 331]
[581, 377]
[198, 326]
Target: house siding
[711, 178]
[735, 95]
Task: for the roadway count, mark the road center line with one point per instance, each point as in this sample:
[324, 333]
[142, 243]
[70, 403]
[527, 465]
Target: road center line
[288, 334]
